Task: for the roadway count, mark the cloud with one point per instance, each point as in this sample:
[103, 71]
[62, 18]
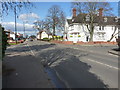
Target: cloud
[11, 26]
[28, 16]
[69, 17]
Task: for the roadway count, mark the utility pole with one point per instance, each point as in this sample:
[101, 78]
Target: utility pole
[24, 27]
[15, 25]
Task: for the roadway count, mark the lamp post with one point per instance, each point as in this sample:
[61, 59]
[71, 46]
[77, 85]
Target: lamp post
[24, 22]
[24, 27]
[15, 25]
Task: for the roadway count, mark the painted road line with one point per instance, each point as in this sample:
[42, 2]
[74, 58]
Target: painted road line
[113, 55]
[31, 50]
[103, 64]
[91, 51]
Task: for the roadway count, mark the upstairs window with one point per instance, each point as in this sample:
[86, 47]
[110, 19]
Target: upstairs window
[87, 17]
[116, 19]
[101, 27]
[72, 20]
[105, 19]
[115, 27]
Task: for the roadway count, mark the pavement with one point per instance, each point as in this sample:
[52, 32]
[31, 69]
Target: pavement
[21, 69]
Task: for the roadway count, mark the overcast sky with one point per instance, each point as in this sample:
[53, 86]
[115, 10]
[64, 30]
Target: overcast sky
[40, 12]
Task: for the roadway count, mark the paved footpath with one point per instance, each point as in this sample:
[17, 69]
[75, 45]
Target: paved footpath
[23, 70]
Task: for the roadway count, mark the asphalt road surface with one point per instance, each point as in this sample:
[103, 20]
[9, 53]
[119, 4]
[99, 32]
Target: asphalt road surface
[79, 66]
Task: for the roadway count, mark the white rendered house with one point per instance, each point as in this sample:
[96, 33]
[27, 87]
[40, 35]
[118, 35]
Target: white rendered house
[43, 34]
[76, 30]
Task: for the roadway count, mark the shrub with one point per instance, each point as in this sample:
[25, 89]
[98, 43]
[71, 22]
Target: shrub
[79, 36]
[3, 41]
[46, 39]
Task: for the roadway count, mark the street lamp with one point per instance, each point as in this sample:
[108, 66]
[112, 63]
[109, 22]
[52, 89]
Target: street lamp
[15, 25]
[24, 27]
[24, 22]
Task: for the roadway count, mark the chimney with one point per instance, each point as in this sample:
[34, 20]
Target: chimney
[74, 12]
[100, 12]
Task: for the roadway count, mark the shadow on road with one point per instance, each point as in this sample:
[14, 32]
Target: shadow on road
[73, 72]
[24, 72]
[33, 47]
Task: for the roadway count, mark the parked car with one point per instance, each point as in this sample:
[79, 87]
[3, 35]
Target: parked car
[30, 39]
[21, 40]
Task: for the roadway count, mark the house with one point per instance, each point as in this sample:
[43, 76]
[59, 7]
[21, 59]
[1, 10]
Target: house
[11, 35]
[76, 29]
[44, 34]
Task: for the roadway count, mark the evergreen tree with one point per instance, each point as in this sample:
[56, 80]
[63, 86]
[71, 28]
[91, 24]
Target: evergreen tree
[3, 42]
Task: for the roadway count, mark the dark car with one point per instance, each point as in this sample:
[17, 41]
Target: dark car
[30, 39]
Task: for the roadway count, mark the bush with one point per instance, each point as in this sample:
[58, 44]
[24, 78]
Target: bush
[79, 36]
[3, 41]
[46, 39]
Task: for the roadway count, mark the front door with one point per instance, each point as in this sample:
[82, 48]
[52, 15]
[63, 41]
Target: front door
[75, 38]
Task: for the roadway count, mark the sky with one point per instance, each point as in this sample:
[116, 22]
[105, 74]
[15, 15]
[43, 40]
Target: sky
[40, 12]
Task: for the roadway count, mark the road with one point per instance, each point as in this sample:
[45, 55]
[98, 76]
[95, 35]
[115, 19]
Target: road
[79, 66]
[21, 69]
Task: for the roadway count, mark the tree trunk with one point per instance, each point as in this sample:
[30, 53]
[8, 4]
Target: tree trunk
[53, 31]
[40, 35]
[91, 37]
[111, 38]
[91, 32]
[113, 35]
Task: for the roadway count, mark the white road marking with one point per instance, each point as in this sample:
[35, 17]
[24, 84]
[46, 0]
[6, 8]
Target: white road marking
[97, 52]
[113, 55]
[103, 64]
[31, 50]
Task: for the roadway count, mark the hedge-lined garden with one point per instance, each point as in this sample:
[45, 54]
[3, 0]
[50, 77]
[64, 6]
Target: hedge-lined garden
[3, 42]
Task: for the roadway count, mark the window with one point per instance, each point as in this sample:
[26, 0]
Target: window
[72, 20]
[116, 19]
[101, 36]
[101, 27]
[112, 28]
[115, 27]
[75, 33]
[88, 17]
[105, 19]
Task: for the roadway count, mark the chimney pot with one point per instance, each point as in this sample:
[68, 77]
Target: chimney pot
[74, 12]
[100, 12]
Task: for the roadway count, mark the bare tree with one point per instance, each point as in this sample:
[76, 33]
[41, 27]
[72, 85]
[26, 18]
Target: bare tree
[91, 8]
[9, 5]
[55, 19]
[14, 6]
[113, 34]
[39, 25]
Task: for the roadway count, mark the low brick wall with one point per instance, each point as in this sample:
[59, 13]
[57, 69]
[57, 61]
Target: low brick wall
[62, 42]
[15, 42]
[85, 43]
